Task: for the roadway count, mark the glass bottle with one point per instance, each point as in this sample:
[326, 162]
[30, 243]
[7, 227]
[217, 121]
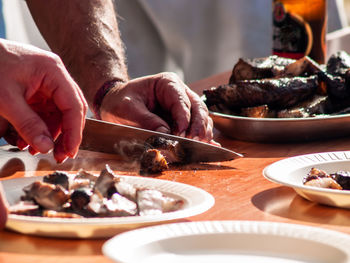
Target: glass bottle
[299, 29]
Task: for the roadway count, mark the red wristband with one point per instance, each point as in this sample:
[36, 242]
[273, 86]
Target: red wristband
[100, 94]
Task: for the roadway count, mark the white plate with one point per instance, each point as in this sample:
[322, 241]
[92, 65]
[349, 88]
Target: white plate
[229, 241]
[281, 129]
[196, 201]
[291, 171]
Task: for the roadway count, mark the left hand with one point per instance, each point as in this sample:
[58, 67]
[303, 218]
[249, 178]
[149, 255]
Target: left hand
[160, 102]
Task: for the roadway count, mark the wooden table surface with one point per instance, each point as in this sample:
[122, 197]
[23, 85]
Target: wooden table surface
[240, 191]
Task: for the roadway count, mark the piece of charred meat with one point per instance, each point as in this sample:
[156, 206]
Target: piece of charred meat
[259, 68]
[319, 178]
[338, 64]
[80, 198]
[152, 161]
[47, 195]
[317, 105]
[338, 88]
[342, 178]
[302, 67]
[170, 149]
[261, 111]
[57, 177]
[276, 93]
[105, 182]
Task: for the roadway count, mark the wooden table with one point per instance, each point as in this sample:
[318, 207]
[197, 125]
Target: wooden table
[240, 191]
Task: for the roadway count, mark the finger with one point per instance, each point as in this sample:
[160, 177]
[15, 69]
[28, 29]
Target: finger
[69, 100]
[60, 154]
[28, 125]
[201, 123]
[3, 208]
[171, 95]
[3, 126]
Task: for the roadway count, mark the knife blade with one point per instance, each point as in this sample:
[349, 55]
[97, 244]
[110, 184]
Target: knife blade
[128, 141]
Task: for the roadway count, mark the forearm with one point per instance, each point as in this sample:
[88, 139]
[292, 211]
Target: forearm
[85, 35]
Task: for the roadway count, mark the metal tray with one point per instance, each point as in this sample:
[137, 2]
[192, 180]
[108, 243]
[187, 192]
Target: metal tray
[275, 130]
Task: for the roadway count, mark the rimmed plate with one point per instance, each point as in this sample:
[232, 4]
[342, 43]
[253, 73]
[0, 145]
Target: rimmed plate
[196, 201]
[291, 171]
[229, 241]
[281, 129]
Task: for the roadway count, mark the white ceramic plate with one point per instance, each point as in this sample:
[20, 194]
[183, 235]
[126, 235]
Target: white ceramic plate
[291, 171]
[196, 201]
[229, 241]
[281, 129]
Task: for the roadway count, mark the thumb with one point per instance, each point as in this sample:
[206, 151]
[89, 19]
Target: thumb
[29, 126]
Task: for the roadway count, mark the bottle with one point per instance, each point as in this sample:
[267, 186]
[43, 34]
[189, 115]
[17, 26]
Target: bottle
[299, 29]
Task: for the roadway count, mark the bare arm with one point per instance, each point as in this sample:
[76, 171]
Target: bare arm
[85, 35]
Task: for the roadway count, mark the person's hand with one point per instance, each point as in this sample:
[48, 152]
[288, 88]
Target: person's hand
[160, 102]
[40, 104]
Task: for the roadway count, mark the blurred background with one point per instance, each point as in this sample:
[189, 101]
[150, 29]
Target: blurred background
[195, 39]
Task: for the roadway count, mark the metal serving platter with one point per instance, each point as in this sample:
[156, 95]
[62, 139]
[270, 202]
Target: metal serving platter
[275, 130]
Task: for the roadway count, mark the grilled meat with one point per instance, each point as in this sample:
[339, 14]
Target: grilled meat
[259, 68]
[261, 111]
[342, 178]
[338, 64]
[152, 161]
[107, 196]
[170, 149]
[315, 106]
[319, 178]
[338, 88]
[47, 195]
[276, 93]
[57, 177]
[273, 67]
[285, 88]
[105, 182]
[302, 67]
[80, 198]
[153, 202]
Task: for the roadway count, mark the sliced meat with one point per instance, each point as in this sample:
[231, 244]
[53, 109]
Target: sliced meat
[153, 202]
[47, 195]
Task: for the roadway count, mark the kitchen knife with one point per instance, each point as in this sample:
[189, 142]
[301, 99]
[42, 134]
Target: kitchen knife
[129, 142]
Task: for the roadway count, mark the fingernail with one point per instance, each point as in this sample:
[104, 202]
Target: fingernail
[196, 138]
[183, 134]
[43, 143]
[163, 129]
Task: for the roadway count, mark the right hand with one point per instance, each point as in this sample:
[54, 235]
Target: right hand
[40, 100]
